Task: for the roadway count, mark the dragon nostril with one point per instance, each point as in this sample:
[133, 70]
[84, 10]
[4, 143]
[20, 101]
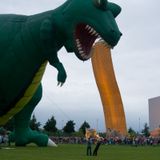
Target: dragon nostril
[115, 32]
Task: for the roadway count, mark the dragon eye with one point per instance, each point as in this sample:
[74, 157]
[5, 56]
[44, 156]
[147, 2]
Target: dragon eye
[101, 4]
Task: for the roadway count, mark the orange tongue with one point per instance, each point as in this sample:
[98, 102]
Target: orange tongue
[108, 88]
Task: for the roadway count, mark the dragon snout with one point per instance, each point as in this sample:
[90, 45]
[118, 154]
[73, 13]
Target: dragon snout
[116, 33]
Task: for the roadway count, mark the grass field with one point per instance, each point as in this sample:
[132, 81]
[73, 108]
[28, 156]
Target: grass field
[78, 152]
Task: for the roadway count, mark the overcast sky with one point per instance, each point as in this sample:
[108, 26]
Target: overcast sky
[136, 61]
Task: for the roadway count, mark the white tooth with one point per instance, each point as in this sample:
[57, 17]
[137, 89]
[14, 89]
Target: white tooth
[77, 40]
[87, 27]
[101, 40]
[96, 34]
[80, 48]
[91, 30]
[81, 52]
[86, 57]
[78, 45]
[83, 55]
[94, 31]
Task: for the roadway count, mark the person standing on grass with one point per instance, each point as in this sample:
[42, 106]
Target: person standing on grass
[89, 146]
[99, 141]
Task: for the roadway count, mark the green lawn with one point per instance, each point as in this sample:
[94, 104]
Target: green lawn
[78, 152]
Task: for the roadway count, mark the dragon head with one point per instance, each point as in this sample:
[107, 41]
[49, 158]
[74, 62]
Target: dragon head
[85, 21]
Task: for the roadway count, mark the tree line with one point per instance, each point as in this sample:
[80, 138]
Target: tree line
[69, 129]
[50, 126]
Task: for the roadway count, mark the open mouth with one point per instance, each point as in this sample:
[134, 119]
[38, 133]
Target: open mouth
[85, 37]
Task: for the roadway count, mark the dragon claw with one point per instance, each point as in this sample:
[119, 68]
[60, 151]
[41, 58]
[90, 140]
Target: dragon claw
[60, 84]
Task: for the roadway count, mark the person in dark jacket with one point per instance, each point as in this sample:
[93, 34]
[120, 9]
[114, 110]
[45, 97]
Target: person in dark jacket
[99, 141]
[89, 147]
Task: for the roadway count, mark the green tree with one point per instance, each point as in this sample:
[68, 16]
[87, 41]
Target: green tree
[50, 125]
[131, 132]
[145, 131]
[34, 125]
[84, 126]
[69, 127]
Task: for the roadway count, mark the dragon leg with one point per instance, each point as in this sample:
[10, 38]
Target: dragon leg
[23, 133]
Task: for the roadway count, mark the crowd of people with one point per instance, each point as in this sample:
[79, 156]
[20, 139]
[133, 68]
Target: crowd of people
[139, 140]
[4, 140]
[135, 141]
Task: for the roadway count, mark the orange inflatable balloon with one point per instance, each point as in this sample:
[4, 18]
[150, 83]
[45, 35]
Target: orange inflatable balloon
[108, 88]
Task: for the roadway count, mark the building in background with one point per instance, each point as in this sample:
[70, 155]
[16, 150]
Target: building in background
[154, 113]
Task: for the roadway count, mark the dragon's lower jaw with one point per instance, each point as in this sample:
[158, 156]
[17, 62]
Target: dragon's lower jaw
[85, 37]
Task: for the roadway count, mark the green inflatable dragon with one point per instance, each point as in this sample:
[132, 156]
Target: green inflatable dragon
[27, 43]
